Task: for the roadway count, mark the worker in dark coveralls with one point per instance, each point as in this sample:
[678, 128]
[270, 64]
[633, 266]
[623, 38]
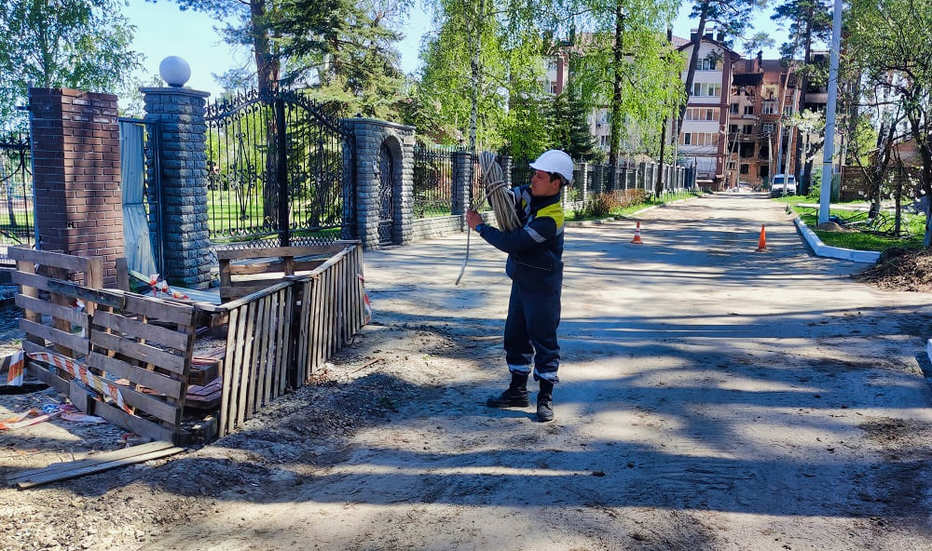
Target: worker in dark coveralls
[535, 266]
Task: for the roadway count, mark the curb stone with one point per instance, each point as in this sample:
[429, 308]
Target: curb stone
[821, 249]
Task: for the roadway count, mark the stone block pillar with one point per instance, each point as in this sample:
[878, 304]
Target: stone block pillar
[506, 163]
[369, 136]
[76, 159]
[178, 116]
[462, 178]
[584, 182]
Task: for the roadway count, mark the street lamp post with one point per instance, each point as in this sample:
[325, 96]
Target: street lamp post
[825, 194]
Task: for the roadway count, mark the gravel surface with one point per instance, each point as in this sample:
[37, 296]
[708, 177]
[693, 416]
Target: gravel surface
[711, 398]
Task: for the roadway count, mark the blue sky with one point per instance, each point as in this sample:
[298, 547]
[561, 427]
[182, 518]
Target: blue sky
[162, 30]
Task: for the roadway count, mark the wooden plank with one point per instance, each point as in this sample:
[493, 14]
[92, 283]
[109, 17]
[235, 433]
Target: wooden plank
[271, 267]
[46, 258]
[316, 327]
[122, 274]
[287, 339]
[273, 252]
[330, 262]
[91, 297]
[80, 397]
[97, 458]
[301, 354]
[100, 467]
[224, 272]
[148, 331]
[74, 342]
[30, 280]
[138, 425]
[288, 265]
[329, 326]
[189, 331]
[246, 370]
[139, 351]
[257, 295]
[273, 345]
[162, 310]
[152, 405]
[150, 379]
[61, 312]
[281, 342]
[255, 369]
[226, 372]
[264, 342]
[25, 268]
[237, 373]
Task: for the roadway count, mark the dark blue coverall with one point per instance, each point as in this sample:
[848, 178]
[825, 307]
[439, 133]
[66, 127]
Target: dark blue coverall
[535, 266]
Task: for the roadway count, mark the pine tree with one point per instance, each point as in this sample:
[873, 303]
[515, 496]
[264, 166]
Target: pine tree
[581, 145]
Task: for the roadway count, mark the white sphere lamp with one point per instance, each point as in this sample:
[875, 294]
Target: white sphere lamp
[174, 71]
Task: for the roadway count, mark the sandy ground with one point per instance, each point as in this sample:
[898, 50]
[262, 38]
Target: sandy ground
[712, 397]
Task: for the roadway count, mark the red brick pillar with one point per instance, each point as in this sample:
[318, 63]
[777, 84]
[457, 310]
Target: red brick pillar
[76, 174]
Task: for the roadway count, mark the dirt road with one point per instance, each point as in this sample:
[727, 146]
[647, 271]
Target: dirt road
[711, 398]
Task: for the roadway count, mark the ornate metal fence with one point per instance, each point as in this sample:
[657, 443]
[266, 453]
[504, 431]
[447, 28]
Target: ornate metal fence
[276, 171]
[17, 217]
[433, 181]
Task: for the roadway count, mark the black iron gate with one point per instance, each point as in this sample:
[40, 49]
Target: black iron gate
[386, 196]
[17, 217]
[276, 170]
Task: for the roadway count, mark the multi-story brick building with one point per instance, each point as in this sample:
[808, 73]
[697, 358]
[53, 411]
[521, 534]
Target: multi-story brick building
[702, 138]
[733, 120]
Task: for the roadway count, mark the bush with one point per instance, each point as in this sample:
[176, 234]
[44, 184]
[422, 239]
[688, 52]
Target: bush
[600, 205]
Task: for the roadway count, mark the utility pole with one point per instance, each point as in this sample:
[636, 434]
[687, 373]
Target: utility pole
[825, 194]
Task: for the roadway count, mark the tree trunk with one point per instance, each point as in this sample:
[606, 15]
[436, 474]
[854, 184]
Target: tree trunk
[691, 70]
[803, 179]
[475, 38]
[267, 78]
[615, 140]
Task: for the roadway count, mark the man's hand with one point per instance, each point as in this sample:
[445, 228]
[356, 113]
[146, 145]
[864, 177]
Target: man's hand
[473, 219]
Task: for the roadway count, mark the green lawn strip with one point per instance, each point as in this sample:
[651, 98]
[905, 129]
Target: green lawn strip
[860, 240]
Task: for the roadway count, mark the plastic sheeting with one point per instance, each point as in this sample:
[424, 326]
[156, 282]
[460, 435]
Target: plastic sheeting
[135, 223]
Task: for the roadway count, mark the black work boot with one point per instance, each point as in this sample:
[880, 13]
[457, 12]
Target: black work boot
[515, 396]
[545, 401]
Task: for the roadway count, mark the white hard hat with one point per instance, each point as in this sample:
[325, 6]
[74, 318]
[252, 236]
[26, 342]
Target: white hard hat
[555, 161]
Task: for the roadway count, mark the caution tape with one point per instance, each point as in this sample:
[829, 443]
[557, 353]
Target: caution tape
[79, 371]
[366, 303]
[14, 364]
[31, 417]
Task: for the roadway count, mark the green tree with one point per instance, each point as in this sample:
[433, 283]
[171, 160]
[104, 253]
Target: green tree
[480, 59]
[758, 42]
[580, 144]
[807, 21]
[892, 40]
[81, 44]
[624, 62]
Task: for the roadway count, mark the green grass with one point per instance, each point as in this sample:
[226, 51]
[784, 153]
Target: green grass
[862, 240]
[224, 214]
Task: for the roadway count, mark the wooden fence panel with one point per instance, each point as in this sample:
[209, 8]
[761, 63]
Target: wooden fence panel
[257, 355]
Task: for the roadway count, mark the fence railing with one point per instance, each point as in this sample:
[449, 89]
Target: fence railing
[433, 181]
[17, 218]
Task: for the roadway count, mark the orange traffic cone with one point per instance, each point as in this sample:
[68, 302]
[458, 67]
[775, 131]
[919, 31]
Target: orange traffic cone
[637, 235]
[762, 241]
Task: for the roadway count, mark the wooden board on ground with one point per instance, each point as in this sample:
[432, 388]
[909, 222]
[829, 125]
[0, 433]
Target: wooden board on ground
[97, 463]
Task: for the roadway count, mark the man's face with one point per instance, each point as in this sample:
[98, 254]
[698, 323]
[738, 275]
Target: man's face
[543, 186]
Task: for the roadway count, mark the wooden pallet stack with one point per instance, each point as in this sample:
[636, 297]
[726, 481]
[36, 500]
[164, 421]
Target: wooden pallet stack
[122, 356]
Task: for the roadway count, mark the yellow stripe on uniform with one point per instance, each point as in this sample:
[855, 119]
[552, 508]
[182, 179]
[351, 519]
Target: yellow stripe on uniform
[554, 211]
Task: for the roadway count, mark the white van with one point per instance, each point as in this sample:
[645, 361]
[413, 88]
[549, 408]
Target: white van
[782, 184]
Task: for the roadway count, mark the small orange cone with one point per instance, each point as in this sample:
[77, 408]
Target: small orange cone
[637, 235]
[762, 241]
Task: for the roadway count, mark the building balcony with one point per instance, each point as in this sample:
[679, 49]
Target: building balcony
[816, 98]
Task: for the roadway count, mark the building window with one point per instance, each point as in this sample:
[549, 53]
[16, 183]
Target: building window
[748, 109]
[697, 88]
[734, 108]
[744, 168]
[749, 129]
[770, 108]
[767, 128]
[687, 138]
[707, 64]
[709, 113]
[732, 128]
[788, 110]
[764, 171]
[713, 89]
